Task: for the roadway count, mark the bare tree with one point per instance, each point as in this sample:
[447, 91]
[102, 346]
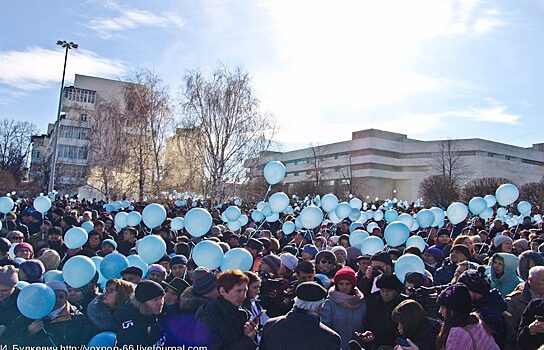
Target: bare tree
[438, 190]
[533, 192]
[482, 187]
[231, 127]
[149, 109]
[317, 172]
[15, 145]
[448, 161]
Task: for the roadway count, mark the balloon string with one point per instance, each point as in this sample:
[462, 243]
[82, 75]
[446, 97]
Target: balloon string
[190, 256]
[267, 191]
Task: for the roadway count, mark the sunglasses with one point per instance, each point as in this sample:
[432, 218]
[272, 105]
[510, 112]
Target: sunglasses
[326, 262]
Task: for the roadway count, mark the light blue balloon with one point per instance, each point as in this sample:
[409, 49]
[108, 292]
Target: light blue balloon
[208, 254]
[78, 271]
[378, 215]
[22, 284]
[371, 226]
[457, 212]
[53, 275]
[136, 261]
[42, 204]
[333, 217]
[125, 204]
[237, 258]
[391, 215]
[177, 224]
[274, 172]
[524, 207]
[408, 263]
[75, 237]
[425, 218]
[267, 211]
[134, 218]
[311, 217]
[506, 194]
[198, 222]
[502, 212]
[87, 226]
[416, 241]
[103, 340]
[354, 226]
[243, 220]
[154, 215]
[356, 203]
[355, 214]
[477, 205]
[396, 233]
[407, 219]
[232, 213]
[273, 217]
[486, 214]
[371, 245]
[278, 202]
[329, 202]
[490, 200]
[112, 265]
[36, 301]
[257, 215]
[121, 219]
[438, 217]
[235, 225]
[151, 248]
[6, 204]
[109, 208]
[298, 223]
[288, 227]
[343, 210]
[357, 237]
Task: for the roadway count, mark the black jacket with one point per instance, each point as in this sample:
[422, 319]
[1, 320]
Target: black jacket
[8, 309]
[135, 328]
[525, 339]
[298, 330]
[225, 323]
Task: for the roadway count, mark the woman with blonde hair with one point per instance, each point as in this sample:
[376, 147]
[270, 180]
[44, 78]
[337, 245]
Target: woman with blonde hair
[100, 311]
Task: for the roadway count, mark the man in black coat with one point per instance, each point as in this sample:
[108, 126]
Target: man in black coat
[531, 328]
[300, 328]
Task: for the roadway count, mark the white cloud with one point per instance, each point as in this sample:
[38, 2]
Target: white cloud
[37, 68]
[132, 18]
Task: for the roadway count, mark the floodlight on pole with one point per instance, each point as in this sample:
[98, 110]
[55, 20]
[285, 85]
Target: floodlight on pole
[67, 46]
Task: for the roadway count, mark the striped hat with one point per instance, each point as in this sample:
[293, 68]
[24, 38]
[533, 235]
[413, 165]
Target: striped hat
[204, 280]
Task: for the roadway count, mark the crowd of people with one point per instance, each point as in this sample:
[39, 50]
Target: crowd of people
[483, 286]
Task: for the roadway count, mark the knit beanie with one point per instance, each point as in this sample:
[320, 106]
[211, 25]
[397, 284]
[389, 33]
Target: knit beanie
[325, 254]
[339, 248]
[346, 274]
[289, 261]
[33, 270]
[147, 290]
[156, 268]
[178, 260]
[435, 252]
[5, 244]
[272, 261]
[310, 249]
[204, 280]
[109, 242]
[457, 298]
[8, 276]
[500, 239]
[57, 285]
[416, 278]
[50, 259]
[23, 245]
[476, 281]
[388, 282]
[353, 253]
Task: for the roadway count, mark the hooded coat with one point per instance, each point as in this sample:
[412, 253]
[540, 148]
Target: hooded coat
[345, 314]
[100, 314]
[509, 279]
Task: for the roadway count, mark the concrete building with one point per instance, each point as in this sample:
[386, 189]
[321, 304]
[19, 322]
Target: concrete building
[376, 163]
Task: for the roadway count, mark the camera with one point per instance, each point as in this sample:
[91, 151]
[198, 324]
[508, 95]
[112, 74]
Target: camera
[268, 283]
[376, 271]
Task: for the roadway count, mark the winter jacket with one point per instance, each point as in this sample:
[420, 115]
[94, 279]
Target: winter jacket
[226, 325]
[526, 260]
[509, 280]
[527, 341]
[100, 314]
[8, 309]
[471, 337]
[345, 314]
[298, 330]
[425, 337]
[444, 274]
[490, 308]
[518, 300]
[135, 328]
[71, 327]
[189, 302]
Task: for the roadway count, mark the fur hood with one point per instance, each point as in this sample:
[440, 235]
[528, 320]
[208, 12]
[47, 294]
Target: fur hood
[189, 302]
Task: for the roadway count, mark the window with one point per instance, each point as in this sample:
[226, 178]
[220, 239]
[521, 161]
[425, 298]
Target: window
[74, 132]
[72, 152]
[83, 117]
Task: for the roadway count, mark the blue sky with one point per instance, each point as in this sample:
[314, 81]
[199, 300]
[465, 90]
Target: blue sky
[428, 69]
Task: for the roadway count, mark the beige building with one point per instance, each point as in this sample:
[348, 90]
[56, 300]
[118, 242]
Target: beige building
[383, 164]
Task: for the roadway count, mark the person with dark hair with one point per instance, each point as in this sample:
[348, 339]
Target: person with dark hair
[305, 271]
[444, 274]
[252, 304]
[460, 329]
[325, 263]
[137, 320]
[503, 272]
[5, 259]
[128, 242]
[178, 267]
[132, 274]
[101, 309]
[414, 326]
[8, 295]
[227, 321]
[93, 241]
[55, 242]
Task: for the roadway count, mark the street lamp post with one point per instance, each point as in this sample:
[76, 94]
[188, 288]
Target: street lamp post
[67, 46]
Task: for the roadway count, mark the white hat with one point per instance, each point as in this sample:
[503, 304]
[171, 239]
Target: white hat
[289, 261]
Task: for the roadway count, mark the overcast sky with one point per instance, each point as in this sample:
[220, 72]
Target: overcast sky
[428, 69]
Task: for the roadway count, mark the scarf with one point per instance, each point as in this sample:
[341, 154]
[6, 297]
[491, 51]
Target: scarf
[55, 313]
[347, 301]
